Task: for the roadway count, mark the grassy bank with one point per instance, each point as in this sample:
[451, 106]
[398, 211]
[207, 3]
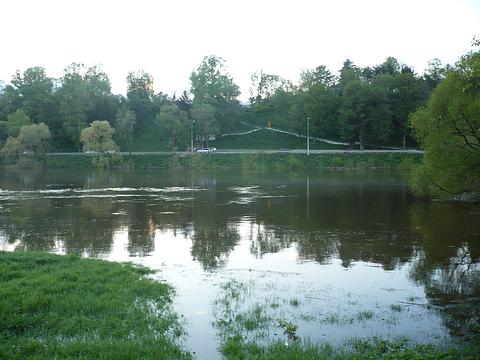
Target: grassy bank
[68, 307]
[257, 161]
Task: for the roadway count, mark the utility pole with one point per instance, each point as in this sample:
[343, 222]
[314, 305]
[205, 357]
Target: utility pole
[308, 135]
[191, 137]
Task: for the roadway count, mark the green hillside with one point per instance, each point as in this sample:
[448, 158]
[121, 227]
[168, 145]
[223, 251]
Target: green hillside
[152, 139]
[267, 139]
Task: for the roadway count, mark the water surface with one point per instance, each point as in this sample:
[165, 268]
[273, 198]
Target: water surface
[342, 254]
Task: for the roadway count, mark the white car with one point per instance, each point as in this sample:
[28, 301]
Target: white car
[207, 150]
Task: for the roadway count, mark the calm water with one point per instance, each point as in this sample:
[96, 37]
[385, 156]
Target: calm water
[342, 254]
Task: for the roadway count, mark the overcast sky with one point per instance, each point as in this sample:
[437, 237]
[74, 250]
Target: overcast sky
[168, 39]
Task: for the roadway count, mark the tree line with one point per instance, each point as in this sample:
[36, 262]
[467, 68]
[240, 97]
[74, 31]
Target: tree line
[365, 106]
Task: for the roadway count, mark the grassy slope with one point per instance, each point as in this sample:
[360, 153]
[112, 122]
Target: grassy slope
[267, 139]
[68, 307]
[152, 139]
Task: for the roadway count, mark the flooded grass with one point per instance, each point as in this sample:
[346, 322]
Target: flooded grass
[396, 307]
[294, 302]
[235, 348]
[252, 323]
[67, 307]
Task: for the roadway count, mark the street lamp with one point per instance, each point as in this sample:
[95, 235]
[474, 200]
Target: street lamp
[308, 135]
[191, 137]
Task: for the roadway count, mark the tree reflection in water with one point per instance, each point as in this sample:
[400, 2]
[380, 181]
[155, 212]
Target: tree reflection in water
[352, 217]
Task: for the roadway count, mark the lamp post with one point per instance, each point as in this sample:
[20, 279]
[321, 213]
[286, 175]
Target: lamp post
[308, 135]
[191, 137]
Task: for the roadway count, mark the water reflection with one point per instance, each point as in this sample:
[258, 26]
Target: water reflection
[346, 217]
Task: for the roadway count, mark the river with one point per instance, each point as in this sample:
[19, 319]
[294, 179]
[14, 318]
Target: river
[343, 255]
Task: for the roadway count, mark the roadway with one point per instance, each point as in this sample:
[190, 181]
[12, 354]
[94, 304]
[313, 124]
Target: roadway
[257, 151]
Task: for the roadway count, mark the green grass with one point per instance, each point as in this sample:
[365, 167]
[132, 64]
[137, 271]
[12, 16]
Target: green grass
[234, 348]
[152, 138]
[267, 139]
[67, 307]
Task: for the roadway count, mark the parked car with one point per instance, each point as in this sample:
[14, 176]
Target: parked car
[207, 150]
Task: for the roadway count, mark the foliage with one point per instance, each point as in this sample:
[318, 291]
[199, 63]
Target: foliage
[15, 121]
[34, 90]
[140, 95]
[35, 138]
[363, 106]
[125, 124]
[212, 85]
[67, 307]
[98, 137]
[83, 96]
[364, 114]
[174, 122]
[319, 75]
[265, 86]
[388, 93]
[448, 128]
[12, 148]
[206, 123]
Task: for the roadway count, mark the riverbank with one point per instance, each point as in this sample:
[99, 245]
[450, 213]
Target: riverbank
[66, 307]
[251, 161]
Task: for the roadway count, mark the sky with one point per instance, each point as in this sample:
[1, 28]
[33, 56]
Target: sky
[168, 39]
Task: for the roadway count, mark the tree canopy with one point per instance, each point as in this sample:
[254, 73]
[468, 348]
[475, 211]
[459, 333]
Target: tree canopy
[448, 128]
[368, 106]
[98, 137]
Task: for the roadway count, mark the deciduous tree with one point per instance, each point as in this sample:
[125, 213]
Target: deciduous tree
[448, 128]
[125, 125]
[364, 114]
[174, 122]
[98, 137]
[15, 122]
[140, 96]
[35, 138]
[205, 122]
